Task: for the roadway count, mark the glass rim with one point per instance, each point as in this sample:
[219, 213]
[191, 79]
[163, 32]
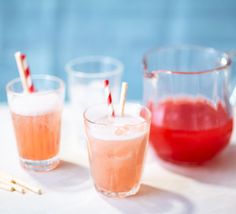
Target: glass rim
[44, 77]
[90, 121]
[224, 55]
[94, 58]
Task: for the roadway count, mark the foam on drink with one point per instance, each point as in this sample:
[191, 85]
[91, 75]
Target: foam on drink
[37, 103]
[118, 128]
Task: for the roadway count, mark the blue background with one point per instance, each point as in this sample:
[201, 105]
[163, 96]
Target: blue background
[51, 32]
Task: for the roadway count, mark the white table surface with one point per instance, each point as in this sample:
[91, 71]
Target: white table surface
[165, 188]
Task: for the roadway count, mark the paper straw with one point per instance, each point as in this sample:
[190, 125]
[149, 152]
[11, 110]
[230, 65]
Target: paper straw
[123, 97]
[109, 98]
[24, 72]
[21, 71]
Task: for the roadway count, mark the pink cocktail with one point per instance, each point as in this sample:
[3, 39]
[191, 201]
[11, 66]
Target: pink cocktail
[117, 148]
[37, 122]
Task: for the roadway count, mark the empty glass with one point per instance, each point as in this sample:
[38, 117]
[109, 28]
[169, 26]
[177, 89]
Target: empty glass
[85, 84]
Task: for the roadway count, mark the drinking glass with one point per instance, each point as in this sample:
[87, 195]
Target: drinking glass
[37, 121]
[85, 86]
[86, 76]
[116, 148]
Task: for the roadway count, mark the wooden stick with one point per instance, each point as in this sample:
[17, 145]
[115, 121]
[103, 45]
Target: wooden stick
[6, 187]
[27, 186]
[18, 188]
[18, 185]
[7, 181]
[123, 98]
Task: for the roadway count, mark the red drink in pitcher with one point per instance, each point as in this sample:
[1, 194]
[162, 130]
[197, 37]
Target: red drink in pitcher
[189, 130]
[187, 90]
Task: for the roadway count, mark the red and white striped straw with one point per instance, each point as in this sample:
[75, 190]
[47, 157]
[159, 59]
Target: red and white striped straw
[109, 98]
[24, 72]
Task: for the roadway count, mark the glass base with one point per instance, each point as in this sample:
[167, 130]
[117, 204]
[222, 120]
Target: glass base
[133, 191]
[41, 165]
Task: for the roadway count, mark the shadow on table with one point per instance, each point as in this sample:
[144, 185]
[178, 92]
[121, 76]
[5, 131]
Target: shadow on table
[153, 200]
[219, 171]
[68, 177]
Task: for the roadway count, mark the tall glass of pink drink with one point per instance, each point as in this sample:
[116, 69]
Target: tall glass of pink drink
[37, 121]
[117, 148]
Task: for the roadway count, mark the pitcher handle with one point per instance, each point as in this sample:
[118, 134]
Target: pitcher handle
[232, 54]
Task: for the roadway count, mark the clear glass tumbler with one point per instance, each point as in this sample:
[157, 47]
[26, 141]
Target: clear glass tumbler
[37, 121]
[85, 80]
[85, 87]
[117, 148]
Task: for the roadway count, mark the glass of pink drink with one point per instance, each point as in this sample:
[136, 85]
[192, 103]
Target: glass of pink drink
[117, 148]
[37, 121]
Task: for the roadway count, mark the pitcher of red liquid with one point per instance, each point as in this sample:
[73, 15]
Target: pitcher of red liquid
[187, 90]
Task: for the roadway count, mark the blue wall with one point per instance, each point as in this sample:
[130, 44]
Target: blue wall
[51, 32]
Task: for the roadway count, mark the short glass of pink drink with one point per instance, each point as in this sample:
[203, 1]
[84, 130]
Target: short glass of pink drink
[116, 147]
[37, 121]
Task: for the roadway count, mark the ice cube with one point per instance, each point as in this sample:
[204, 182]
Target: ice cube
[122, 130]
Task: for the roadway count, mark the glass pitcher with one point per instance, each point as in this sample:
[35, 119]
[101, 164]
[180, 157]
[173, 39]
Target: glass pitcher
[187, 90]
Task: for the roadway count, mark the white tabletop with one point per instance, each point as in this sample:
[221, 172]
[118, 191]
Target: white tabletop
[68, 189]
